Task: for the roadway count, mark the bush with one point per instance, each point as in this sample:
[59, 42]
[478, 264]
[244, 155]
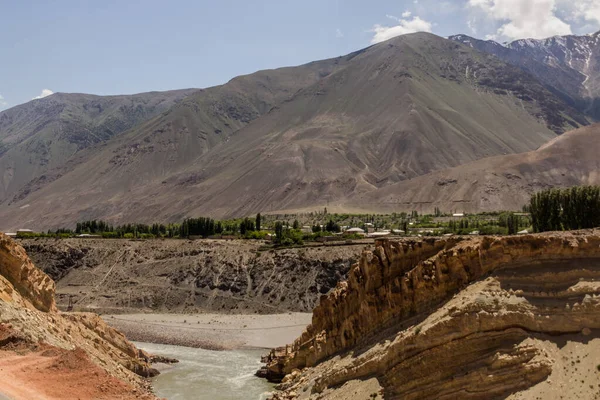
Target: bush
[110, 235]
[128, 236]
[257, 235]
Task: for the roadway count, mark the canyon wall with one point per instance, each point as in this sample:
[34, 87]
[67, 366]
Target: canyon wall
[474, 318]
[235, 276]
[31, 325]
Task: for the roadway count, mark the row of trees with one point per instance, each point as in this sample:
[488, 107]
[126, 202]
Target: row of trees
[565, 209]
[99, 227]
[190, 227]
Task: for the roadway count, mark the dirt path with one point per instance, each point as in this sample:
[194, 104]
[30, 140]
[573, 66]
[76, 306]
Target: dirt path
[212, 331]
[55, 373]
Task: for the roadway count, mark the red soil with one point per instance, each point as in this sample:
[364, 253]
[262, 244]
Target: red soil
[53, 373]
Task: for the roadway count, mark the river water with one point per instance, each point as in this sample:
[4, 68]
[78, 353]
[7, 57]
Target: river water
[206, 374]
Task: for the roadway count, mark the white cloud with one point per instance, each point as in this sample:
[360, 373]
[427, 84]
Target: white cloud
[576, 10]
[416, 24]
[406, 14]
[45, 93]
[338, 33]
[3, 102]
[524, 18]
[472, 26]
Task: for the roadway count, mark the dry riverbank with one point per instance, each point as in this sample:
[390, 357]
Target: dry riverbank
[212, 331]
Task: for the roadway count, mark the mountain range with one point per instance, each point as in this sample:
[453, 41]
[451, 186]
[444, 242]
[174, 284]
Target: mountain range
[569, 65]
[386, 128]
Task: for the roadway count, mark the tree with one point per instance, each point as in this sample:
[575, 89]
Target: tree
[258, 221]
[512, 224]
[296, 225]
[278, 231]
[568, 209]
[332, 226]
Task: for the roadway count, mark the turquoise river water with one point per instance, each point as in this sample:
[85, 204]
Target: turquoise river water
[205, 374]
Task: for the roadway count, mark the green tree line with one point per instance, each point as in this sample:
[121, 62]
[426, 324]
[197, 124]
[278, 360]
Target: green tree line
[565, 209]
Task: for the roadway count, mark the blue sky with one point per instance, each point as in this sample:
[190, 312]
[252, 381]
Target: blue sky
[130, 46]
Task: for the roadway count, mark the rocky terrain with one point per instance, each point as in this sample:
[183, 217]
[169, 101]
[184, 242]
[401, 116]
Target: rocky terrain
[115, 276]
[333, 130]
[43, 139]
[567, 64]
[48, 354]
[469, 318]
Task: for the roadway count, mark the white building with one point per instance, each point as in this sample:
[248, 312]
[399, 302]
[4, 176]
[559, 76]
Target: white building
[354, 231]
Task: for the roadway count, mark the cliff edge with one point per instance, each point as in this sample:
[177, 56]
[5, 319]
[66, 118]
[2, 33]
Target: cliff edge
[48, 354]
[468, 318]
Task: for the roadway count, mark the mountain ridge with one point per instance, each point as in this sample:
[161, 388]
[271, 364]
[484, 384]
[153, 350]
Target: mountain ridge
[334, 130]
[569, 64]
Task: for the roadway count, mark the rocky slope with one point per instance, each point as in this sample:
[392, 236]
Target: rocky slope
[184, 276]
[42, 139]
[34, 333]
[567, 64]
[332, 130]
[497, 183]
[475, 318]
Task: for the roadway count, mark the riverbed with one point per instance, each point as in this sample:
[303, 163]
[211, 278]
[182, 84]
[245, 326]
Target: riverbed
[208, 374]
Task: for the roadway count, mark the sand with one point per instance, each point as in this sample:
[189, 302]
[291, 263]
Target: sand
[212, 331]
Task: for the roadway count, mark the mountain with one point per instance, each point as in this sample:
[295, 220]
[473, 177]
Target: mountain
[45, 139]
[498, 183]
[45, 134]
[301, 137]
[568, 65]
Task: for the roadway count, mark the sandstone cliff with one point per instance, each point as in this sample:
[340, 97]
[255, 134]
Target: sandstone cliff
[31, 324]
[474, 318]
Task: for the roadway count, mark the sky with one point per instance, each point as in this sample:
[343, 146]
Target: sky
[132, 46]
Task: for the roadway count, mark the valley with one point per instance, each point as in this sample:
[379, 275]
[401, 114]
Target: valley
[384, 224]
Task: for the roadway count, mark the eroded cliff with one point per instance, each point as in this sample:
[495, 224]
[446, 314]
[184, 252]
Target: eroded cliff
[61, 345]
[189, 275]
[474, 318]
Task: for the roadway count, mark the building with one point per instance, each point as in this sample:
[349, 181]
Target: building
[306, 229]
[379, 234]
[354, 231]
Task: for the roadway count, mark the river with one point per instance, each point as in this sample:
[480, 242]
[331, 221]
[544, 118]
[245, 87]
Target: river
[206, 374]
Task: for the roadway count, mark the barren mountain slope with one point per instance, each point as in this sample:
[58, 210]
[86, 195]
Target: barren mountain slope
[497, 183]
[478, 318]
[52, 355]
[40, 138]
[569, 65]
[185, 276]
[394, 111]
[45, 139]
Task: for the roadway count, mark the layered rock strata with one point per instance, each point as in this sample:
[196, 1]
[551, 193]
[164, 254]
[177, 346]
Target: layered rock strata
[473, 318]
